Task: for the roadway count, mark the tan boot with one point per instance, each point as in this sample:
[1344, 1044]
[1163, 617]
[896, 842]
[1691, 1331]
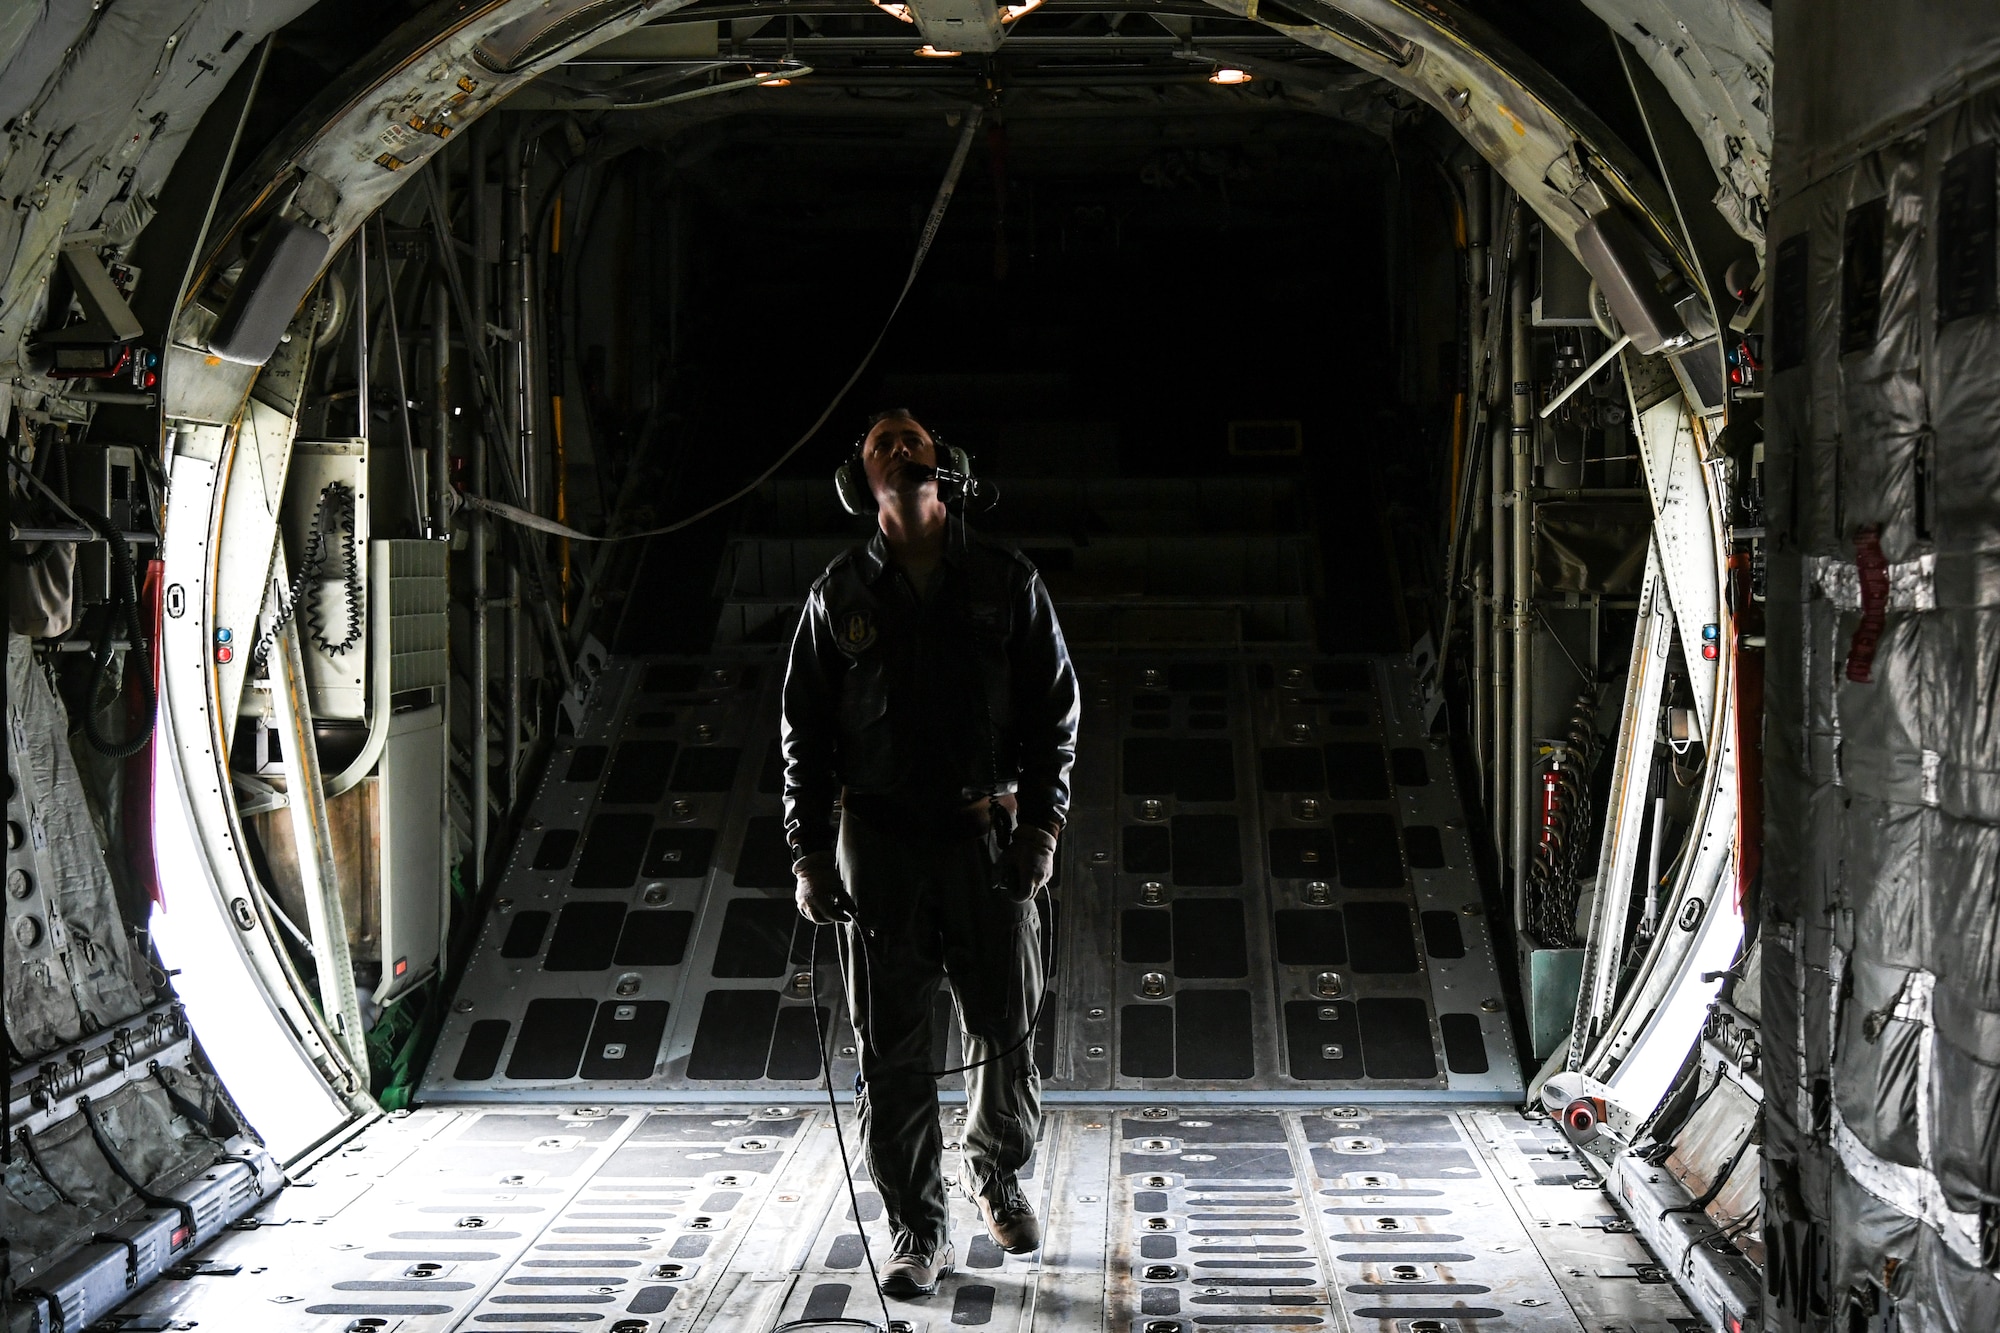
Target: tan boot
[1006, 1211]
[907, 1275]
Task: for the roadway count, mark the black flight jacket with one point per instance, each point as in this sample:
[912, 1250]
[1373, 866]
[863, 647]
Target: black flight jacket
[938, 702]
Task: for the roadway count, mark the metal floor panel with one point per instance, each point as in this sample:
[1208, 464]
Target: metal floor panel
[1166, 1219]
[1266, 888]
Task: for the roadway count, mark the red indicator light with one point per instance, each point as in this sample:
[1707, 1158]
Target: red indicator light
[180, 1237]
[1711, 651]
[224, 653]
[402, 966]
[1581, 1118]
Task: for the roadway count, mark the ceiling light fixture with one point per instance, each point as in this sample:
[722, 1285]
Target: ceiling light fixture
[1008, 13]
[894, 11]
[933, 53]
[776, 83]
[1229, 77]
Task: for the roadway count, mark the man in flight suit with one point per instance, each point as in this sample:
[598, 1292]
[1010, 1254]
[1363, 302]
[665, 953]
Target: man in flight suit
[928, 681]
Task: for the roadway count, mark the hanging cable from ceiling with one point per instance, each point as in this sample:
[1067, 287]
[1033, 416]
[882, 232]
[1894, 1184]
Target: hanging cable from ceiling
[514, 514]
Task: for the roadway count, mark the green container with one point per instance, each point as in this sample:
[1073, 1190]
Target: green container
[1553, 978]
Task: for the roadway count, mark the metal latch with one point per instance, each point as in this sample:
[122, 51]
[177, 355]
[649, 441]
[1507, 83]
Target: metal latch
[191, 1268]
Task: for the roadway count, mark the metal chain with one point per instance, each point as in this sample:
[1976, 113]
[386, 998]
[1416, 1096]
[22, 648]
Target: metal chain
[1555, 880]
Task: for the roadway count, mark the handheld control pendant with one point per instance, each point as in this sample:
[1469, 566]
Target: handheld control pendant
[999, 842]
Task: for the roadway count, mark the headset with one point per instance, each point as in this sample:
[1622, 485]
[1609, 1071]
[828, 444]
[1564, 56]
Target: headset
[954, 472]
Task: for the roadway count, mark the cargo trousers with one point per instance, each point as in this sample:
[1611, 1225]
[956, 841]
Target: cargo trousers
[925, 912]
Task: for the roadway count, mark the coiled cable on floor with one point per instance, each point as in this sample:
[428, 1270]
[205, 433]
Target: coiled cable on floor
[888, 1324]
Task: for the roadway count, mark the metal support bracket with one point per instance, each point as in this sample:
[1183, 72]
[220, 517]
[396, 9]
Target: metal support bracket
[313, 836]
[106, 316]
[959, 25]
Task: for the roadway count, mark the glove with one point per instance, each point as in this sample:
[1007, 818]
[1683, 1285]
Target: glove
[819, 896]
[1034, 853]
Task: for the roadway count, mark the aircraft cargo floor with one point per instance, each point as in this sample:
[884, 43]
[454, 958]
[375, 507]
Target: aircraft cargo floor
[1281, 1081]
[1159, 1219]
[1266, 889]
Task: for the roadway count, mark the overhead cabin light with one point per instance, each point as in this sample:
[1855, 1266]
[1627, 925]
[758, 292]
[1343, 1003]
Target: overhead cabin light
[1008, 13]
[775, 83]
[894, 10]
[1229, 77]
[933, 53]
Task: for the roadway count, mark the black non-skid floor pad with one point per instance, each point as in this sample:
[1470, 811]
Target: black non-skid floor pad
[1265, 881]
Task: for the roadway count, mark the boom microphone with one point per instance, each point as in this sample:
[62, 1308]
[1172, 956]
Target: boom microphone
[978, 495]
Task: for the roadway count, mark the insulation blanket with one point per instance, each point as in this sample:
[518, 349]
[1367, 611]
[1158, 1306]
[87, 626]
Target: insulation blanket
[1881, 989]
[68, 967]
[97, 101]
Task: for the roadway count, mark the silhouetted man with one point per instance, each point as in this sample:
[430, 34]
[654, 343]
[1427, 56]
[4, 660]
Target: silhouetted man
[928, 680]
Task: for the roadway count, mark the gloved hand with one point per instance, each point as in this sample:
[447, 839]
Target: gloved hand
[820, 897]
[1034, 853]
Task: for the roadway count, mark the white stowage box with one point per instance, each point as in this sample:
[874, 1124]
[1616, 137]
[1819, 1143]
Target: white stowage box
[414, 869]
[336, 682]
[414, 850]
